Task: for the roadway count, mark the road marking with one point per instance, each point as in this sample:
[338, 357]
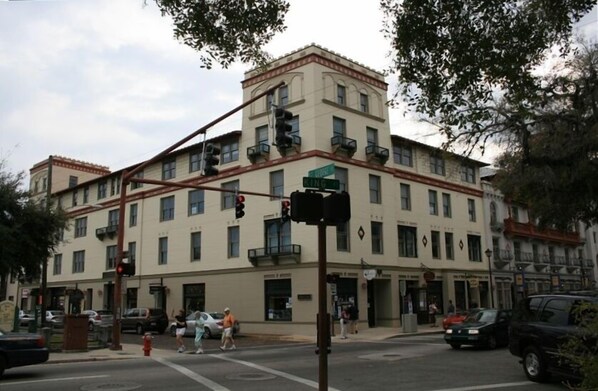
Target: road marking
[57, 379]
[488, 386]
[189, 373]
[297, 379]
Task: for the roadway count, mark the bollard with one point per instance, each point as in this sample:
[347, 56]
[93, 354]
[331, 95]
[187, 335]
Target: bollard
[147, 344]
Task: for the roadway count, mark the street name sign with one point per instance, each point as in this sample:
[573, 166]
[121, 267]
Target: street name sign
[321, 172]
[321, 183]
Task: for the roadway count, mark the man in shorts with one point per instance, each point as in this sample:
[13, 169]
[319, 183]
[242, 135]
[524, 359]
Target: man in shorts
[227, 334]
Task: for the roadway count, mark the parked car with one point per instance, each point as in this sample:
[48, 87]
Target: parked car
[55, 317]
[455, 318]
[212, 325]
[20, 349]
[25, 317]
[144, 319]
[486, 327]
[98, 318]
[540, 325]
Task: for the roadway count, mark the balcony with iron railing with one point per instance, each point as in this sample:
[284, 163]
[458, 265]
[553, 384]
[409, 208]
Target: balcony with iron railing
[377, 153]
[502, 258]
[261, 150]
[529, 230]
[275, 255]
[107, 232]
[343, 145]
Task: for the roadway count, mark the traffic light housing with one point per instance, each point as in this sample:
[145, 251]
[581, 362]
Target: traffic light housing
[306, 207]
[285, 206]
[336, 208]
[125, 269]
[211, 160]
[283, 127]
[239, 206]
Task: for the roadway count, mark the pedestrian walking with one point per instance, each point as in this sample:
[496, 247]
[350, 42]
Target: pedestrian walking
[353, 318]
[345, 319]
[199, 332]
[227, 335]
[432, 310]
[181, 327]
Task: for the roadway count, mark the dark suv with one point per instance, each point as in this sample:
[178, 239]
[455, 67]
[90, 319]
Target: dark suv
[144, 319]
[539, 326]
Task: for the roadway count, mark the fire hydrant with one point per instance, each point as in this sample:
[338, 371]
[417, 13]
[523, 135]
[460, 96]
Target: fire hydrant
[147, 344]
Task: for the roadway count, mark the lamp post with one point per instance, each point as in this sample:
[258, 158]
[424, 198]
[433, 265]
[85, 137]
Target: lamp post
[582, 273]
[488, 253]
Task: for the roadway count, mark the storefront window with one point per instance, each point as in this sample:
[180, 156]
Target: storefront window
[194, 297]
[279, 300]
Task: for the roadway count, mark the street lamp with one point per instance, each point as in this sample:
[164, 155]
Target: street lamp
[582, 273]
[488, 253]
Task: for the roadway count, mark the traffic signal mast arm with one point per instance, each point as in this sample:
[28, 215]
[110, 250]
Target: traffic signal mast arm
[203, 187]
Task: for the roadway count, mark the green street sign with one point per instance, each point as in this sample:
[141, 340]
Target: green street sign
[321, 183]
[321, 172]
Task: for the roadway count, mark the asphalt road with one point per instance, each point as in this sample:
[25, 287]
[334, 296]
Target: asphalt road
[422, 363]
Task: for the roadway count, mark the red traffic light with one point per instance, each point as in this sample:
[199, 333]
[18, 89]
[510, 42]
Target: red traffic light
[125, 269]
[240, 198]
[286, 204]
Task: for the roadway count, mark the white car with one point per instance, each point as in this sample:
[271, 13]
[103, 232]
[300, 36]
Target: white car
[98, 318]
[55, 317]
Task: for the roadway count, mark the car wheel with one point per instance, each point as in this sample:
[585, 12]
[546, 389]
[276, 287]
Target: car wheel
[2, 365]
[172, 331]
[456, 346]
[140, 329]
[534, 365]
[491, 341]
[207, 334]
[90, 326]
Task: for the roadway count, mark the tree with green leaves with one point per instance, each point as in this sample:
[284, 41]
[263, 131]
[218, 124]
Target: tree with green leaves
[29, 231]
[472, 69]
[226, 30]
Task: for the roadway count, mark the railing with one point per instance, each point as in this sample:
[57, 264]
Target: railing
[260, 149]
[377, 152]
[344, 143]
[109, 231]
[532, 231]
[273, 252]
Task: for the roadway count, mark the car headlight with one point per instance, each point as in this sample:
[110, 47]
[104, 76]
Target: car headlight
[449, 331]
[474, 331]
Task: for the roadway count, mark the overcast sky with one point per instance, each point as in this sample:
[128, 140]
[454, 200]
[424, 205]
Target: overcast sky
[104, 81]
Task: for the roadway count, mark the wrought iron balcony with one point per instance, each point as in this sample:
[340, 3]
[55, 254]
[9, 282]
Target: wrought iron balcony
[377, 153]
[109, 231]
[257, 151]
[529, 230]
[275, 254]
[502, 258]
[343, 144]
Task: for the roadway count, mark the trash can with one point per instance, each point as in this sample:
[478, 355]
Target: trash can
[409, 322]
[75, 332]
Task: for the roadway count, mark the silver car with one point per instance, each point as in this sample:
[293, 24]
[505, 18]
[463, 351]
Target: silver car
[98, 318]
[212, 325]
[55, 317]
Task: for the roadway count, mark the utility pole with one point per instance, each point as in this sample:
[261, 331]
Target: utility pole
[323, 329]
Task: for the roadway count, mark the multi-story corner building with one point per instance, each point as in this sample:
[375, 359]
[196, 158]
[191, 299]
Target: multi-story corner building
[416, 235]
[527, 259]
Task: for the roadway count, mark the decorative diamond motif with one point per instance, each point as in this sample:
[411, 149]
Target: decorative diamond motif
[425, 241]
[361, 233]
[461, 244]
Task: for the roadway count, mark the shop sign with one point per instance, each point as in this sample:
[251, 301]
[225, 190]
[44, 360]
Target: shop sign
[473, 282]
[429, 276]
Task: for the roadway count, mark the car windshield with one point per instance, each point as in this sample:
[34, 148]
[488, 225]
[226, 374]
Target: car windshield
[104, 312]
[484, 316]
[56, 313]
[217, 315]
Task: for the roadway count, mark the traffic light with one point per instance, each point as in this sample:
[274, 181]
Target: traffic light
[285, 206]
[282, 126]
[125, 269]
[239, 206]
[211, 160]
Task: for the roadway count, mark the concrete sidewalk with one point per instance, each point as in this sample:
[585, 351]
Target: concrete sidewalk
[136, 351]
